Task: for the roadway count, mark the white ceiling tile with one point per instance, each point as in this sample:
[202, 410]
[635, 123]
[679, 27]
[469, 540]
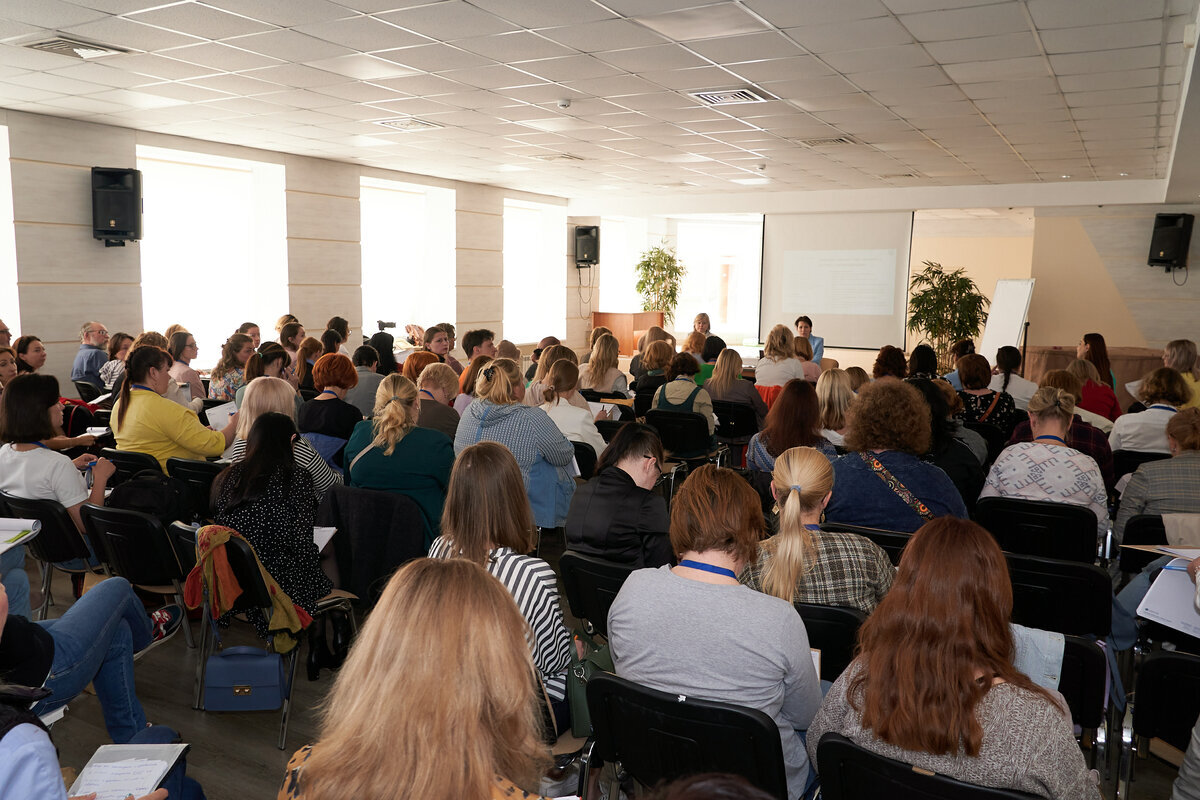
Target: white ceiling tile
[540, 93]
[613, 87]
[850, 62]
[297, 76]
[362, 67]
[1019, 103]
[879, 32]
[495, 76]
[514, 47]
[966, 23]
[135, 99]
[747, 47]
[1102, 37]
[447, 21]
[780, 69]
[56, 83]
[985, 48]
[544, 13]
[357, 92]
[1110, 98]
[705, 22]
[1101, 112]
[245, 105]
[222, 57]
[899, 78]
[1125, 79]
[200, 20]
[287, 14]
[183, 91]
[652, 59]
[290, 45]
[804, 89]
[53, 14]
[434, 57]
[156, 66]
[1106, 61]
[593, 37]
[1003, 69]
[918, 96]
[300, 98]
[476, 98]
[835, 102]
[1031, 86]
[790, 13]
[11, 29]
[130, 35]
[1068, 13]
[102, 74]
[571, 68]
[364, 34]
[236, 84]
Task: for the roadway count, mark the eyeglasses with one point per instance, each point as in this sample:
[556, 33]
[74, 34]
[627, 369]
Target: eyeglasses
[96, 330]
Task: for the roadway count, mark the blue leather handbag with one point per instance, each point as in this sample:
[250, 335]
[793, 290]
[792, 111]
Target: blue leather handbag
[244, 679]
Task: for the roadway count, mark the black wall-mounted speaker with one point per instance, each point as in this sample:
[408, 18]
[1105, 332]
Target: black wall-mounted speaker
[1169, 242]
[116, 204]
[587, 245]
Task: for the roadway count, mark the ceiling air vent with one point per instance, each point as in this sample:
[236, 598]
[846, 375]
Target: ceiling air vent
[408, 124]
[75, 48]
[727, 97]
[557, 157]
[831, 142]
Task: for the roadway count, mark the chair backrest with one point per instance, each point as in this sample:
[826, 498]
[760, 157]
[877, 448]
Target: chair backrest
[1082, 681]
[1126, 461]
[851, 772]
[585, 458]
[1063, 596]
[735, 420]
[643, 399]
[199, 476]
[996, 439]
[183, 541]
[245, 567]
[1039, 528]
[136, 544]
[892, 542]
[128, 463]
[1141, 529]
[684, 434]
[608, 427]
[327, 447]
[59, 540]
[1167, 697]
[591, 584]
[87, 392]
[834, 631]
[660, 736]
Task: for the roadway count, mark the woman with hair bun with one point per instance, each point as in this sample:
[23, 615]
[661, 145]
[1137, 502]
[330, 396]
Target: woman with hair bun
[575, 423]
[390, 453]
[1046, 468]
[803, 564]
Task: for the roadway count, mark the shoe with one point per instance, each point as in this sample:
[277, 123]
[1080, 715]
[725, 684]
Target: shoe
[166, 622]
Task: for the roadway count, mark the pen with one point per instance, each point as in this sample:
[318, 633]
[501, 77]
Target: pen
[1176, 567]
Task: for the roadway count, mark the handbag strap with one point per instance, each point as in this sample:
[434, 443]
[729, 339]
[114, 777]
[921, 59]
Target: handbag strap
[992, 407]
[361, 453]
[896, 486]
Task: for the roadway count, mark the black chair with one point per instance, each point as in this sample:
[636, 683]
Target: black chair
[1144, 529]
[592, 396]
[834, 631]
[608, 427]
[199, 476]
[685, 436]
[1082, 683]
[1063, 596]
[307, 394]
[103, 416]
[643, 399]
[1127, 461]
[585, 458]
[1164, 705]
[591, 584]
[892, 542]
[58, 541]
[851, 772]
[996, 438]
[1039, 528]
[736, 422]
[660, 736]
[87, 392]
[138, 549]
[128, 464]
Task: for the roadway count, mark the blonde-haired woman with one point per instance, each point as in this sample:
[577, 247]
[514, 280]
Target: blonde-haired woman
[455, 639]
[488, 521]
[1180, 355]
[835, 393]
[575, 423]
[542, 452]
[803, 564]
[779, 363]
[553, 353]
[1095, 395]
[727, 385]
[1046, 469]
[390, 453]
[694, 346]
[602, 374]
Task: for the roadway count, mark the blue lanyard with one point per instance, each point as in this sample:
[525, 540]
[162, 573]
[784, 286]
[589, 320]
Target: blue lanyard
[812, 527]
[144, 388]
[329, 392]
[1165, 407]
[700, 565]
[428, 393]
[42, 445]
[1058, 439]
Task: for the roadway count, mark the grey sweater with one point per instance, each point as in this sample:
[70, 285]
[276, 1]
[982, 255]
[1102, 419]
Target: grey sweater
[1028, 743]
[719, 642]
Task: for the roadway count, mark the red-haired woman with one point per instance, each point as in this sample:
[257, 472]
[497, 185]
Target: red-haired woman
[793, 421]
[934, 683]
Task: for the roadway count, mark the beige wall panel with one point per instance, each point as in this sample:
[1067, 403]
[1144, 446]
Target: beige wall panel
[316, 216]
[480, 267]
[51, 193]
[55, 313]
[319, 261]
[314, 305]
[478, 304]
[63, 141]
[475, 231]
[68, 254]
[319, 176]
[479, 198]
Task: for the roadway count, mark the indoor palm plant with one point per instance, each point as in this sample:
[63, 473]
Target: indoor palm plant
[659, 275]
[946, 306]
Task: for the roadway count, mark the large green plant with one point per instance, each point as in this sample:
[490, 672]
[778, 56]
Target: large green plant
[659, 275]
[946, 306]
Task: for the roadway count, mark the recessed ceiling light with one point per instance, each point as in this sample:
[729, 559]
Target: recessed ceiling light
[1124, 174]
[751, 181]
[1064, 176]
[512, 168]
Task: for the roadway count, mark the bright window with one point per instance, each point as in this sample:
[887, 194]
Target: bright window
[214, 252]
[723, 257]
[10, 310]
[535, 271]
[622, 242]
[408, 254]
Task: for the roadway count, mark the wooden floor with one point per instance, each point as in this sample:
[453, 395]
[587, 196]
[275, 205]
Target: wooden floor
[234, 756]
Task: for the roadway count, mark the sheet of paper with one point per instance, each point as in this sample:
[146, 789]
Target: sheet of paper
[1170, 600]
[116, 771]
[54, 716]
[101, 399]
[1181, 552]
[574, 468]
[816, 657]
[596, 408]
[218, 416]
[321, 536]
[16, 532]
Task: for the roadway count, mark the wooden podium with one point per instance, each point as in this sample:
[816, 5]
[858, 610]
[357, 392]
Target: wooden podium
[628, 328]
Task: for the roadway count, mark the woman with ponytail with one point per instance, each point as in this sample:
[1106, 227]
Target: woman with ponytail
[229, 374]
[1005, 379]
[542, 452]
[575, 423]
[271, 361]
[803, 564]
[390, 453]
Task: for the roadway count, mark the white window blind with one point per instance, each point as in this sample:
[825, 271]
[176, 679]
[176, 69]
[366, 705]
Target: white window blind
[535, 271]
[10, 310]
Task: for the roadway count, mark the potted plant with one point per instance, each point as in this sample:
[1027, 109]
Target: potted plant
[946, 306]
[659, 274]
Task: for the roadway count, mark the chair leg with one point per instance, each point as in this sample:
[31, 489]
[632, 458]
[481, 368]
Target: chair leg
[47, 575]
[202, 665]
[287, 698]
[585, 788]
[187, 625]
[1125, 761]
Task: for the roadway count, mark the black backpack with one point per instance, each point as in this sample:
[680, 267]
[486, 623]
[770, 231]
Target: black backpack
[153, 493]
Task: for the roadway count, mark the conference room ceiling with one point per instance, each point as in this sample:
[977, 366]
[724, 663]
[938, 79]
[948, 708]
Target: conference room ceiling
[854, 93]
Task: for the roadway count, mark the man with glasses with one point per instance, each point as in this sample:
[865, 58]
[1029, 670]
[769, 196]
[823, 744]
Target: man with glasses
[92, 355]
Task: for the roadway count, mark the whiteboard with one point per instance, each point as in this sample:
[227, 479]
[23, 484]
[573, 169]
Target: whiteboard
[1006, 316]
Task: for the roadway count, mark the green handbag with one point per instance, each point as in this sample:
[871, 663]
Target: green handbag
[596, 658]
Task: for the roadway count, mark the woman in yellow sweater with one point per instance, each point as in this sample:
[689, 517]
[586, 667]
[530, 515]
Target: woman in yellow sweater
[146, 422]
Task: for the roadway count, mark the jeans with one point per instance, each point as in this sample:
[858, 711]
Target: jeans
[16, 581]
[177, 784]
[94, 642]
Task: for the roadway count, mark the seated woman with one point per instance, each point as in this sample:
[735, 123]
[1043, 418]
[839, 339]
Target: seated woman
[922, 363]
[328, 414]
[694, 630]
[702, 324]
[680, 392]
[468, 381]
[728, 386]
[30, 413]
[385, 345]
[146, 422]
[306, 357]
[439, 626]
[1005, 379]
[962, 347]
[1164, 392]
[834, 396]
[884, 483]
[574, 423]
[291, 334]
[8, 366]
[551, 354]
[601, 374]
[889, 363]
[1180, 355]
[1095, 395]
[946, 451]
[418, 361]
[488, 521]
[803, 325]
[693, 345]
[934, 684]
[1167, 486]
[542, 452]
[794, 421]
[270, 501]
[1092, 349]
[251, 329]
[1046, 468]
[436, 342]
[229, 374]
[452, 335]
[390, 453]
[31, 353]
[437, 386]
[183, 349]
[858, 378]
[340, 326]
[173, 393]
[266, 395]
[616, 515]
[654, 369]
[802, 563]
[654, 334]
[270, 361]
[118, 349]
[812, 370]
[713, 345]
[1084, 435]
[332, 341]
[954, 405]
[779, 363]
[981, 404]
